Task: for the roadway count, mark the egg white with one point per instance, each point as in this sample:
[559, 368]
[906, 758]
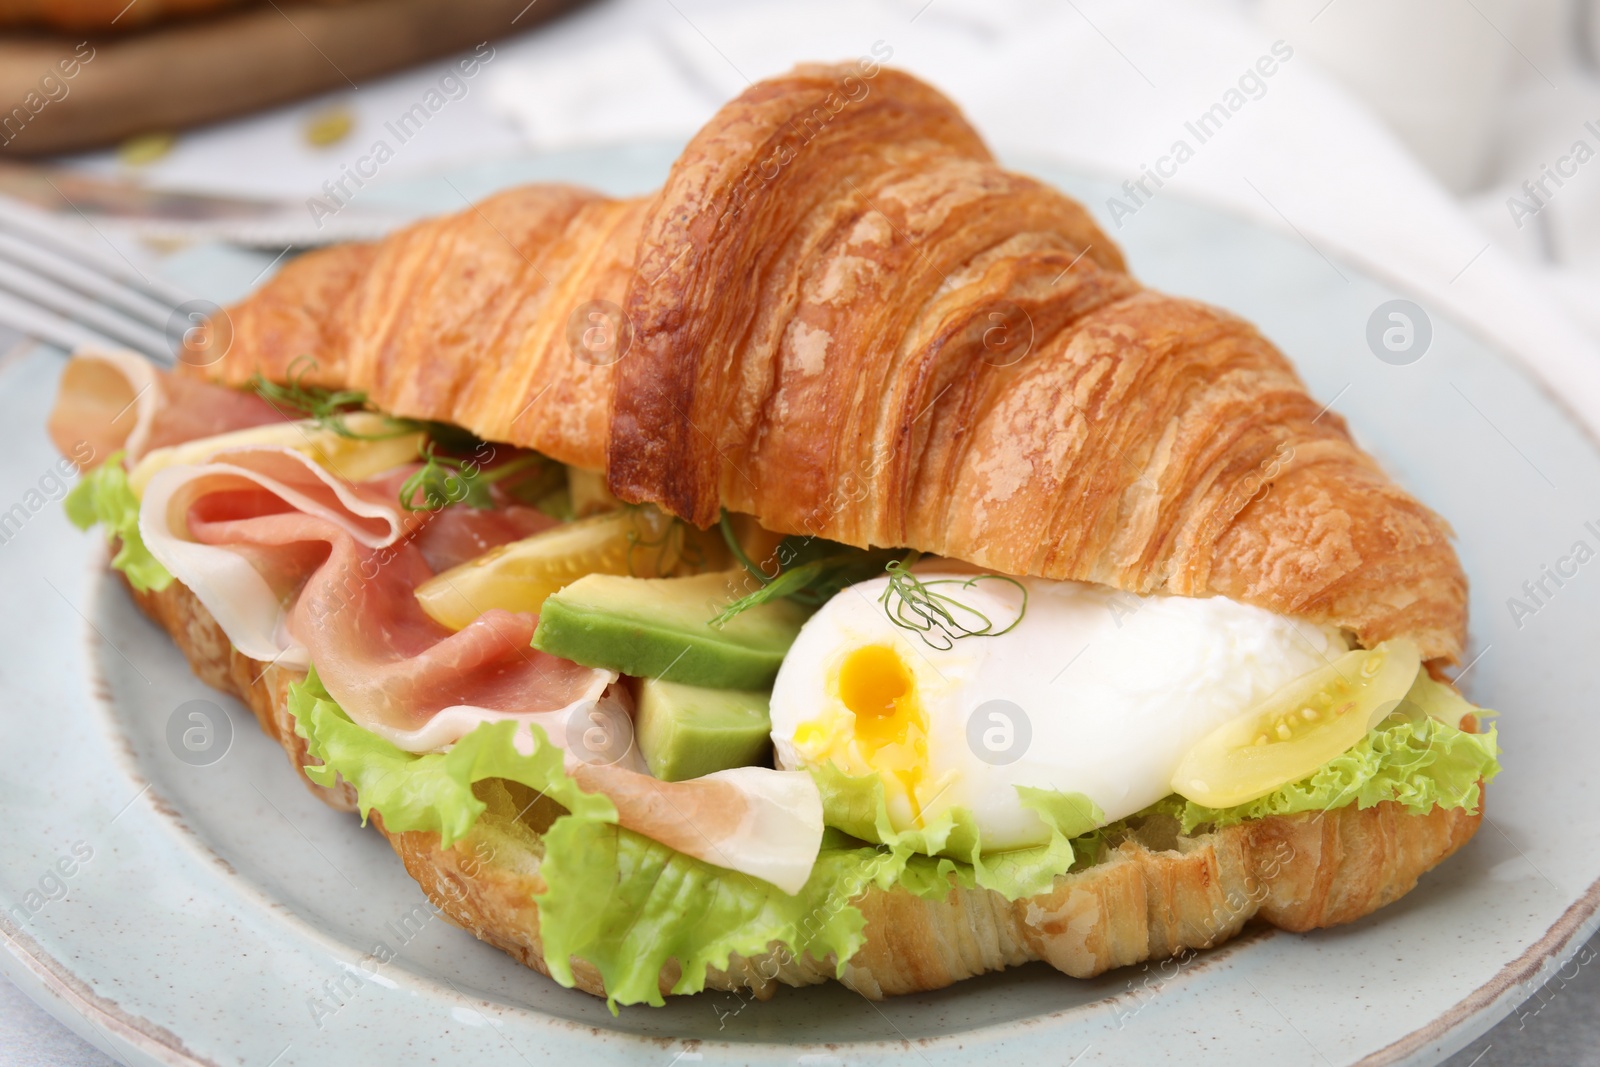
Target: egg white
[1115, 688]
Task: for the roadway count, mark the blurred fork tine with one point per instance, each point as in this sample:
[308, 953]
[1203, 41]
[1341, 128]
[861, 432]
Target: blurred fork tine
[55, 287]
[43, 262]
[35, 322]
[76, 306]
[25, 223]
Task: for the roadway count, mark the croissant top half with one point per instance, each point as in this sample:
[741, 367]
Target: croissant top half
[839, 315]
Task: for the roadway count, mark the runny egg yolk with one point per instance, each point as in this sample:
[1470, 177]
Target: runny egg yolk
[890, 728]
[875, 685]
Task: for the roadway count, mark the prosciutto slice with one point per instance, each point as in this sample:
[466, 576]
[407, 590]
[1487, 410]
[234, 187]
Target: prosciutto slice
[113, 399]
[299, 566]
[456, 535]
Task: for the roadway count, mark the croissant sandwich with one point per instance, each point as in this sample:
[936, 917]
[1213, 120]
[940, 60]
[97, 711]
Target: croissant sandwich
[833, 566]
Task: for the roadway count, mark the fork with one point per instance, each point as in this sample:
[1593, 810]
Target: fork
[62, 291]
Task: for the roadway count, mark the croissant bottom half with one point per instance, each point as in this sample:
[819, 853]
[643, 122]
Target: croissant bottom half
[1152, 895]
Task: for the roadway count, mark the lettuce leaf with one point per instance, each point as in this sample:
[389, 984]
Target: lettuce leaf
[1418, 757]
[103, 496]
[629, 905]
[619, 900]
[951, 846]
[1411, 758]
[430, 792]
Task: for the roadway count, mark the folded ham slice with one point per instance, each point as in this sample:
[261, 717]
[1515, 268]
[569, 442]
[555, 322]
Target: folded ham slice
[114, 399]
[762, 822]
[300, 566]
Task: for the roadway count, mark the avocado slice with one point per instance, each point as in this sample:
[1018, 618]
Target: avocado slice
[685, 731]
[660, 628]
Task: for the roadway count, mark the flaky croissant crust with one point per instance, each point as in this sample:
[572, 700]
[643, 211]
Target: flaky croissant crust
[840, 315]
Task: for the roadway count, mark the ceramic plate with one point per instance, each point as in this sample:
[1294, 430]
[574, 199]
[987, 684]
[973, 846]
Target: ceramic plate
[211, 911]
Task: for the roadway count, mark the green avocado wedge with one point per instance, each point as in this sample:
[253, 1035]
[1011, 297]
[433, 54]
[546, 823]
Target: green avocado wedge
[661, 628]
[686, 731]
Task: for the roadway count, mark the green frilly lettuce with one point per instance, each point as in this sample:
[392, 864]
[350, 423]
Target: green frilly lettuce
[950, 847]
[629, 905]
[1411, 758]
[103, 496]
[623, 902]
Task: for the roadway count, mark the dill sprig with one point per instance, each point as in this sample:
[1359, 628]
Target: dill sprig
[326, 407]
[914, 603]
[444, 481]
[807, 570]
[441, 480]
[725, 524]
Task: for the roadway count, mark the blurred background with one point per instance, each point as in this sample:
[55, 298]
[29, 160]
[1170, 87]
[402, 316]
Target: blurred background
[1448, 146]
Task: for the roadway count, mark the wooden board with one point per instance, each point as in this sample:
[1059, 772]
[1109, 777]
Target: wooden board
[67, 93]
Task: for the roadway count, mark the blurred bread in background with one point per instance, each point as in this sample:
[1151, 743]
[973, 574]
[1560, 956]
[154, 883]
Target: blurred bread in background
[65, 92]
[98, 16]
[103, 16]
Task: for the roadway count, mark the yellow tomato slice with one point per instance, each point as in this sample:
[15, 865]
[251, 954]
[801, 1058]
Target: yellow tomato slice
[1299, 728]
[641, 542]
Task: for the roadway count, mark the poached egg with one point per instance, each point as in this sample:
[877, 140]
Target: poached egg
[1093, 691]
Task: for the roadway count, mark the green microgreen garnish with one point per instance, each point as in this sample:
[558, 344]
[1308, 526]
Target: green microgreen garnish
[444, 481]
[725, 524]
[326, 407]
[914, 603]
[807, 570]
